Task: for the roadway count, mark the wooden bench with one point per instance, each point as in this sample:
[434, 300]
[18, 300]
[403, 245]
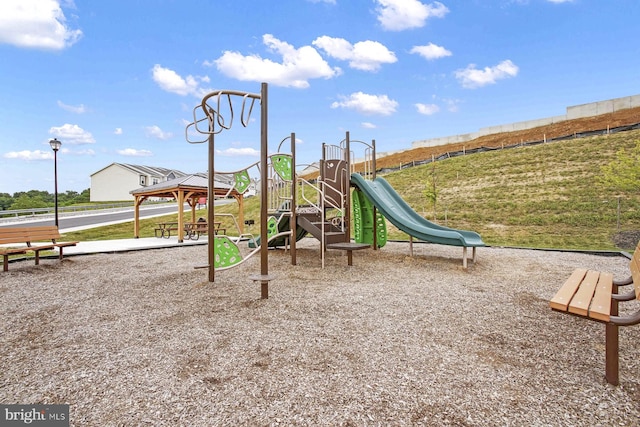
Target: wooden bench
[32, 238]
[594, 295]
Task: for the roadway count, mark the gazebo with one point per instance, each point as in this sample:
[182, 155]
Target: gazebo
[188, 189]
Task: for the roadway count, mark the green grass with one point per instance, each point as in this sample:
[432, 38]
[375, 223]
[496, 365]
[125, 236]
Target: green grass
[544, 196]
[540, 196]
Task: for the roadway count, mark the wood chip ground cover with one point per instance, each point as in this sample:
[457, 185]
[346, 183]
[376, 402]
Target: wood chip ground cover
[142, 338]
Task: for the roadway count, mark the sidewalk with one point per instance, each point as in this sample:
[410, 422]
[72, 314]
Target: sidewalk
[125, 245]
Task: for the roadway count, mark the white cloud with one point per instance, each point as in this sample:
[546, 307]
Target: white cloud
[398, 15]
[298, 66]
[72, 134]
[367, 104]
[366, 55]
[452, 104]
[171, 81]
[368, 125]
[118, 131]
[156, 132]
[29, 155]
[132, 152]
[36, 24]
[78, 109]
[472, 78]
[431, 51]
[239, 152]
[427, 109]
[85, 152]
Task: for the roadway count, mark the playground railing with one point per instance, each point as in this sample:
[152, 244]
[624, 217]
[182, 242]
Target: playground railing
[233, 219]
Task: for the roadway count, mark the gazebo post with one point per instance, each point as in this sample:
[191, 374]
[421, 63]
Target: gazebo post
[180, 216]
[136, 215]
[240, 199]
[193, 200]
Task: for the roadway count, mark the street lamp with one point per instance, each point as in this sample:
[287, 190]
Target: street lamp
[55, 146]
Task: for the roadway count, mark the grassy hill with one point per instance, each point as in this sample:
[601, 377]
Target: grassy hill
[546, 195]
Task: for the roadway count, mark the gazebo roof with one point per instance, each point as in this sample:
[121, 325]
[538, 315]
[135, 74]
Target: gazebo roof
[187, 189]
[197, 183]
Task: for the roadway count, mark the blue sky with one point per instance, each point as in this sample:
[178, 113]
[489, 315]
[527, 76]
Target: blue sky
[117, 81]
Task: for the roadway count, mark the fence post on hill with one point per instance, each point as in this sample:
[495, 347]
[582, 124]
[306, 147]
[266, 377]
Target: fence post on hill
[618, 215]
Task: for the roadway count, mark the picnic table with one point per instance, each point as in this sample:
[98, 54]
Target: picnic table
[164, 229]
[193, 230]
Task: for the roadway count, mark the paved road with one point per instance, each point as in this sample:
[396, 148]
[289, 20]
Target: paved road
[93, 219]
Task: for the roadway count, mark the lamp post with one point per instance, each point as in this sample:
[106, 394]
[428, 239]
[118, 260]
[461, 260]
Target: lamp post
[55, 146]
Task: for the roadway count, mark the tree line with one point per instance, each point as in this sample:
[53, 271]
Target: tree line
[41, 199]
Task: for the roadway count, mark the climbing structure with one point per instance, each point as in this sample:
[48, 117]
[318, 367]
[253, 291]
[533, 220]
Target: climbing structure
[326, 212]
[212, 116]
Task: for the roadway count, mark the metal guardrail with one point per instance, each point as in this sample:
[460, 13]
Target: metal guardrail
[65, 210]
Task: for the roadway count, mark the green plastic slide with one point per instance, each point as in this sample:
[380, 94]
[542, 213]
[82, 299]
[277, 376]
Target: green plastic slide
[400, 214]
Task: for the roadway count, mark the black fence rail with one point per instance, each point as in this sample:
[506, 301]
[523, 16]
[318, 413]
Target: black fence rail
[464, 152]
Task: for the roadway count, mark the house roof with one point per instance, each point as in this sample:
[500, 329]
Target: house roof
[153, 171]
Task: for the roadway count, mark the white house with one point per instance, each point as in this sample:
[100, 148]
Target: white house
[116, 181]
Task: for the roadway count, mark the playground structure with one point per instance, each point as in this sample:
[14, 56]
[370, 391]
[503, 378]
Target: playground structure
[323, 207]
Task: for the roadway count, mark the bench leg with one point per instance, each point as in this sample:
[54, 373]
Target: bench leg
[5, 264]
[60, 254]
[611, 353]
[37, 257]
[611, 343]
[350, 257]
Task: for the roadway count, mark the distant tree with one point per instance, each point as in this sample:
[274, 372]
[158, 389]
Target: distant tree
[67, 198]
[23, 201]
[623, 173]
[5, 201]
[42, 199]
[84, 197]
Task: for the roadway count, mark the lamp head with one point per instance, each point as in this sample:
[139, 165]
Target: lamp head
[55, 144]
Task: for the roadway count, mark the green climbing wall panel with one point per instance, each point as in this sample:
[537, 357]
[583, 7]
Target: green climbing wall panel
[242, 181]
[282, 165]
[272, 227]
[363, 221]
[226, 252]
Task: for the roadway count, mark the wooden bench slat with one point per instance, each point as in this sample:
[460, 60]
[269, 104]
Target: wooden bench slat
[582, 299]
[22, 250]
[564, 295]
[600, 308]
